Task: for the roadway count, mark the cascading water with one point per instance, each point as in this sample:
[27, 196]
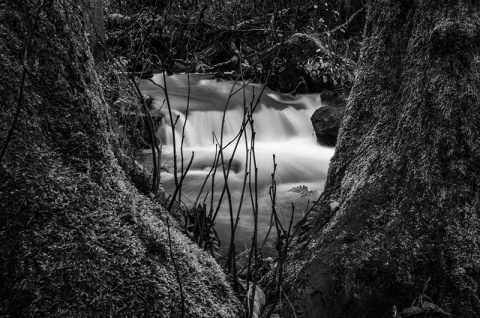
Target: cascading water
[282, 128]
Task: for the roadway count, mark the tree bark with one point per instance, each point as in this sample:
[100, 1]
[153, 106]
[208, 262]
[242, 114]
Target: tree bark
[400, 213]
[93, 23]
[76, 238]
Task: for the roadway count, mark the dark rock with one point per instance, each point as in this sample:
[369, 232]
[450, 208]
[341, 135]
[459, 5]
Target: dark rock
[326, 123]
[333, 98]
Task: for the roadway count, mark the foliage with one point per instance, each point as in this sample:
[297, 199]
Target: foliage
[330, 66]
[421, 305]
[206, 35]
[303, 191]
[201, 229]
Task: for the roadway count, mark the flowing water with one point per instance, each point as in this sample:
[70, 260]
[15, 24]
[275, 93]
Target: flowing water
[282, 128]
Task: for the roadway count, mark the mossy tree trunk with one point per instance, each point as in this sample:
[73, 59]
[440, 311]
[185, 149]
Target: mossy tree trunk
[93, 23]
[76, 238]
[400, 215]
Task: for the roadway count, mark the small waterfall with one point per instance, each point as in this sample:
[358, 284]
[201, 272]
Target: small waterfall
[282, 128]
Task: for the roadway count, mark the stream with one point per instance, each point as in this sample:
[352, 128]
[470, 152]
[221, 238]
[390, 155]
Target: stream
[282, 129]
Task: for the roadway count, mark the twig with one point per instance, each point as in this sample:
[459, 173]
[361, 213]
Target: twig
[282, 250]
[345, 25]
[254, 197]
[182, 143]
[288, 300]
[177, 272]
[206, 178]
[302, 221]
[179, 185]
[153, 140]
[169, 106]
[130, 76]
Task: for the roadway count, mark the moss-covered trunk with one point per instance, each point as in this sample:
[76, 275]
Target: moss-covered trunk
[93, 23]
[400, 212]
[77, 240]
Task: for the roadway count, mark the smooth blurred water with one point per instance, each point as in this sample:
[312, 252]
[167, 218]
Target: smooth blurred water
[282, 128]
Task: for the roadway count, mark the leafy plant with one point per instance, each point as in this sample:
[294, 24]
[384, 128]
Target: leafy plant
[303, 191]
[329, 67]
[201, 228]
[421, 304]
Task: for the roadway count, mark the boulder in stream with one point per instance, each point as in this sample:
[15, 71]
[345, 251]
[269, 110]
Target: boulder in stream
[327, 119]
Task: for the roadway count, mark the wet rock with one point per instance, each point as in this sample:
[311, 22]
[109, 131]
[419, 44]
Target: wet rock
[333, 98]
[327, 120]
[326, 123]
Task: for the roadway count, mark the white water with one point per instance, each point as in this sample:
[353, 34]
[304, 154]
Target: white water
[282, 128]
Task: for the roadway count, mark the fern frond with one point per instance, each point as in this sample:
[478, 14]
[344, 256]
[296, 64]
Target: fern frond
[303, 191]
